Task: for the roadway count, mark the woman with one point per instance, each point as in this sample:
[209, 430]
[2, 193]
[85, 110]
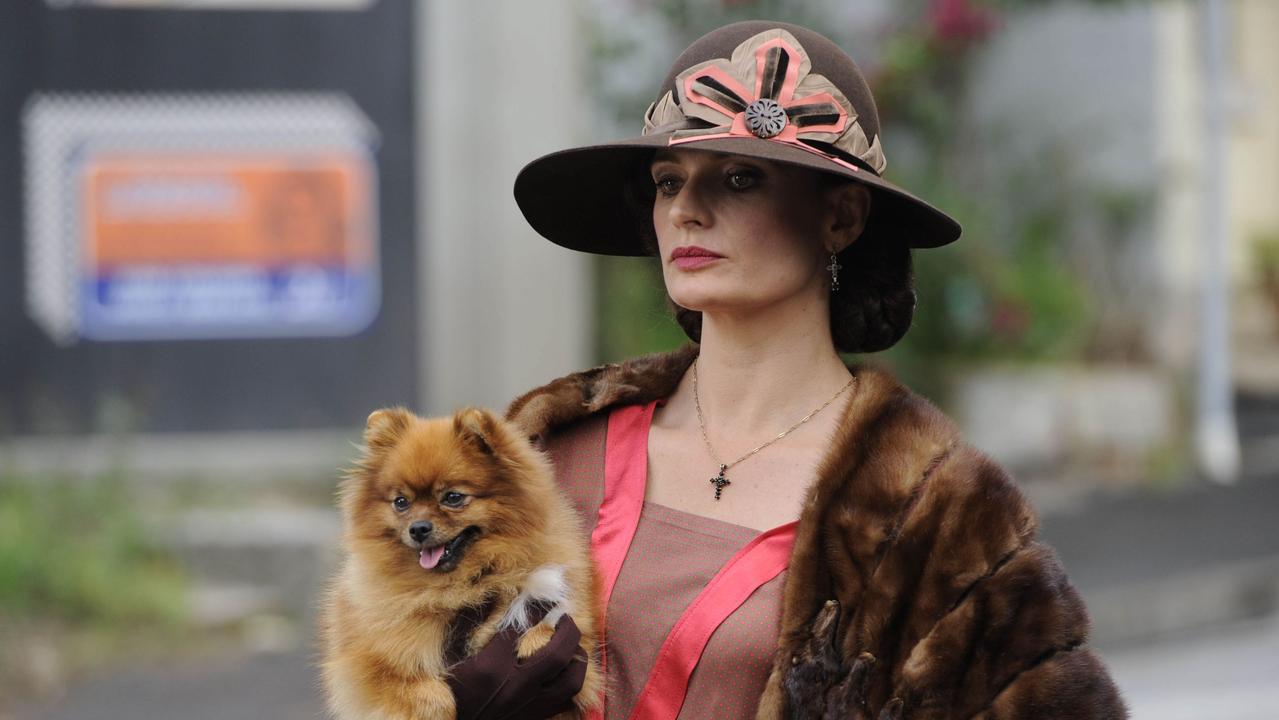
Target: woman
[781, 535]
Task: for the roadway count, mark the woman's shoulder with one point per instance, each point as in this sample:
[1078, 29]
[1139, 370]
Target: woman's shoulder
[906, 469]
[957, 562]
[577, 395]
[895, 421]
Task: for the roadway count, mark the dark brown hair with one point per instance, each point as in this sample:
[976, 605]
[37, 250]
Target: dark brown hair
[874, 305]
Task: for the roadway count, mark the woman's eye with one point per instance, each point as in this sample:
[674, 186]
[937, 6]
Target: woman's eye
[741, 179]
[667, 186]
[453, 498]
[401, 503]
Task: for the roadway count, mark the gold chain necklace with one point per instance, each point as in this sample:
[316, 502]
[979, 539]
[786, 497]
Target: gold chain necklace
[719, 481]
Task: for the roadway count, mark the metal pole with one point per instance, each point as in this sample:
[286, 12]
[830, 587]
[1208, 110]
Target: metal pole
[1217, 438]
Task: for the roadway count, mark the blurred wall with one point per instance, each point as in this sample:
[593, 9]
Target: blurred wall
[1179, 133]
[1251, 175]
[499, 83]
[1073, 78]
[1254, 152]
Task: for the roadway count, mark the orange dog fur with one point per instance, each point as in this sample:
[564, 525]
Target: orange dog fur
[491, 499]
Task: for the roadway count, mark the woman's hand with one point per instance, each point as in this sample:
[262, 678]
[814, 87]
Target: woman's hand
[496, 685]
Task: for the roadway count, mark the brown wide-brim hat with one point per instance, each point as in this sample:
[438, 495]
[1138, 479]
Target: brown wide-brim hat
[759, 89]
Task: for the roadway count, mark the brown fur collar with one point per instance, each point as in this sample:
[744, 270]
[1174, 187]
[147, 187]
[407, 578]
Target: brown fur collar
[944, 605]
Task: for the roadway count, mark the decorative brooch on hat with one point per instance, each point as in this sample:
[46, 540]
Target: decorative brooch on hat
[766, 91]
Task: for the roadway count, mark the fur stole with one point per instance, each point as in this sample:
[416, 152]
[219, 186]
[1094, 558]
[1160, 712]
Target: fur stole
[916, 588]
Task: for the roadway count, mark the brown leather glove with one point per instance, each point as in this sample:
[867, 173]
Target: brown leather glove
[495, 685]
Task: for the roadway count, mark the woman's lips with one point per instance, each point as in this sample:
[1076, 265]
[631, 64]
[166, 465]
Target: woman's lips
[687, 258]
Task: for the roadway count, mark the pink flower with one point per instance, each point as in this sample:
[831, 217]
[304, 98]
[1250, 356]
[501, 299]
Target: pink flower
[960, 21]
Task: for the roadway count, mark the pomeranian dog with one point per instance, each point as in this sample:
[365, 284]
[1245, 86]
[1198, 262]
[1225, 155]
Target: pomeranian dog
[443, 515]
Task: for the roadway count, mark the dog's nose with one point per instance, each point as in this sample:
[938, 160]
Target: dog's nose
[420, 529]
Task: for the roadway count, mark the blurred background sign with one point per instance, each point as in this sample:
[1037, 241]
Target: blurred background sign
[200, 222]
[199, 217]
[219, 4]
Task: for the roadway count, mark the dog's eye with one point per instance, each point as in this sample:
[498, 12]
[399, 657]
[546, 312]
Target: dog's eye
[401, 503]
[453, 498]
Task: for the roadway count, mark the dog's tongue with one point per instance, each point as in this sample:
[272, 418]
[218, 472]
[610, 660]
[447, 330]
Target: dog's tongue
[431, 557]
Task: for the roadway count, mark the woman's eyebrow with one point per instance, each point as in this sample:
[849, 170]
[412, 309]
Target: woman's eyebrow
[662, 166]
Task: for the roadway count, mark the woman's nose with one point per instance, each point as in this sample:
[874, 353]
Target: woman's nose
[690, 205]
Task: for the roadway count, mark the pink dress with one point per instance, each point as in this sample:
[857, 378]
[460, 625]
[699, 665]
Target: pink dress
[672, 557]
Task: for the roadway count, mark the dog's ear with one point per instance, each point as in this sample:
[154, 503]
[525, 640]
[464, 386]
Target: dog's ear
[478, 428]
[384, 427]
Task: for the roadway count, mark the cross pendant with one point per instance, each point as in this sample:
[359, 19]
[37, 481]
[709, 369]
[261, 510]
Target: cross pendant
[834, 269]
[720, 481]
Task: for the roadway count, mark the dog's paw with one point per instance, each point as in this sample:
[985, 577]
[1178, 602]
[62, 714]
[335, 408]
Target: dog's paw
[533, 640]
[544, 598]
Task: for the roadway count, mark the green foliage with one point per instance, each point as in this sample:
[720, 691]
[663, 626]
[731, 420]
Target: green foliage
[633, 318]
[1266, 252]
[76, 552]
[1001, 293]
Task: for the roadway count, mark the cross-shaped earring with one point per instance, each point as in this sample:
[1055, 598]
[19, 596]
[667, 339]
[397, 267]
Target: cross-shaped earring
[834, 272]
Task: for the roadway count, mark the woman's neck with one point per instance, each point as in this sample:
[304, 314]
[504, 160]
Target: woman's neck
[759, 373]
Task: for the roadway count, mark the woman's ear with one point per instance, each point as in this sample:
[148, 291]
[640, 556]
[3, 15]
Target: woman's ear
[849, 205]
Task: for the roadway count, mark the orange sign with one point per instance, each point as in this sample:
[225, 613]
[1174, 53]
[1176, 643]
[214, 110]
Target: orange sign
[268, 210]
[244, 244]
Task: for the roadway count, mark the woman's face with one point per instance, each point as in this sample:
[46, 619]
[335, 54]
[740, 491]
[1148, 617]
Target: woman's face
[737, 233]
